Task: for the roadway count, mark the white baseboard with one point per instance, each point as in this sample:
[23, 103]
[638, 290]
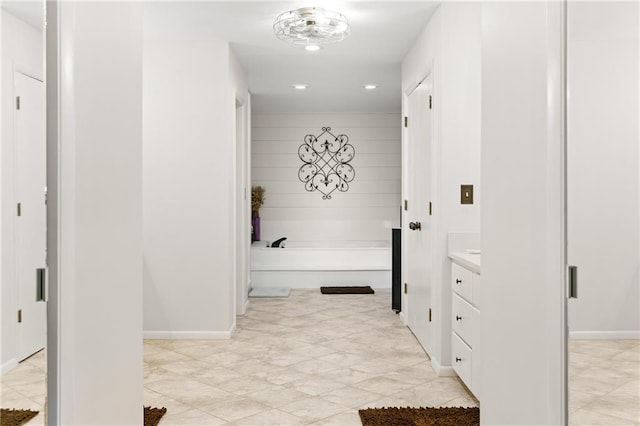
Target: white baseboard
[442, 371]
[403, 318]
[8, 366]
[187, 335]
[605, 335]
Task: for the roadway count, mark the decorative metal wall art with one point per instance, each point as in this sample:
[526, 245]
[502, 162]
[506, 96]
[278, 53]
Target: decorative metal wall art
[326, 159]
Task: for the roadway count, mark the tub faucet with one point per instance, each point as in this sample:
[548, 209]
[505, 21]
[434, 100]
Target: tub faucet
[277, 243]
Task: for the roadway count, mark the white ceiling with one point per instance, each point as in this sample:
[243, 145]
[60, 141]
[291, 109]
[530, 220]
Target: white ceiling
[381, 35]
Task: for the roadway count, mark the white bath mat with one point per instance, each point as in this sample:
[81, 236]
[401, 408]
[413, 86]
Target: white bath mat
[269, 292]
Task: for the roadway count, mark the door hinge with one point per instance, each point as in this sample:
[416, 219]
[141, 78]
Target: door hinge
[430, 105]
[406, 205]
[406, 121]
[19, 209]
[406, 288]
[430, 209]
[19, 315]
[429, 314]
[17, 102]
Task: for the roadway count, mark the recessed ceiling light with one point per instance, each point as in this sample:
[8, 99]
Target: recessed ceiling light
[300, 86]
[370, 86]
[312, 48]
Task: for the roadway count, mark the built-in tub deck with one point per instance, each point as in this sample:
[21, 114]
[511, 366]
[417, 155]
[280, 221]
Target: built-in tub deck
[311, 264]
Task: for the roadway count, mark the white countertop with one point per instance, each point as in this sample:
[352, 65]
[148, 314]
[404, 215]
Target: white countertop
[466, 260]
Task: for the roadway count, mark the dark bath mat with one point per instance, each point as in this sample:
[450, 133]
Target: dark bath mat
[15, 417]
[152, 416]
[447, 416]
[8, 417]
[347, 290]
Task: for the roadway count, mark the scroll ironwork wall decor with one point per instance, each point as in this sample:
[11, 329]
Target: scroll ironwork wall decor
[326, 159]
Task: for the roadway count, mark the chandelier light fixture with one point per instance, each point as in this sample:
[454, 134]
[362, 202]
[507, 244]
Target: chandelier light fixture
[311, 27]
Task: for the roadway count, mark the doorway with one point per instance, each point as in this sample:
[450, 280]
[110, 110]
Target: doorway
[417, 224]
[603, 232]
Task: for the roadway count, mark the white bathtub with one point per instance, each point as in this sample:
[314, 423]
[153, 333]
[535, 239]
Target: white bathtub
[311, 264]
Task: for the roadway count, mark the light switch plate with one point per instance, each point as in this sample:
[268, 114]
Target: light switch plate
[466, 194]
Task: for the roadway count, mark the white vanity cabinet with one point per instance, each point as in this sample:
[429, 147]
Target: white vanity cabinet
[465, 321]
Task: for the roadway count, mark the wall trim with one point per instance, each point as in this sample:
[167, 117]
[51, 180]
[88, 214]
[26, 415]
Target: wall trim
[604, 335]
[442, 371]
[186, 335]
[8, 366]
[403, 317]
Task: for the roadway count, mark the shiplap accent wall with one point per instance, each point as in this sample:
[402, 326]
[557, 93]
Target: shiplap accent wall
[367, 211]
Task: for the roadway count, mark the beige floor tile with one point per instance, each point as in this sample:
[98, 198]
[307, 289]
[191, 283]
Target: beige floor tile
[351, 397]
[277, 396]
[156, 400]
[315, 385]
[283, 375]
[235, 408]
[382, 385]
[313, 409]
[190, 417]
[190, 392]
[272, 417]
[348, 418]
[588, 417]
[245, 385]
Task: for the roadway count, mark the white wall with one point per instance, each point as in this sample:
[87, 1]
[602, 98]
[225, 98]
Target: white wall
[603, 184]
[189, 174]
[522, 376]
[367, 211]
[449, 48]
[22, 50]
[95, 213]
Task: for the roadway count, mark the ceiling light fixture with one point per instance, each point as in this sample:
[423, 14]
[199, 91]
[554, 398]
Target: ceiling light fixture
[311, 26]
[312, 48]
[300, 86]
[370, 86]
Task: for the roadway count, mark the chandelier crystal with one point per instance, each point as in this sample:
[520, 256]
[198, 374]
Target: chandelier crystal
[311, 26]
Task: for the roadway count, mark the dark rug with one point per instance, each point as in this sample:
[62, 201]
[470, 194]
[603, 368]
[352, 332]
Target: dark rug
[347, 290]
[15, 417]
[152, 416]
[447, 416]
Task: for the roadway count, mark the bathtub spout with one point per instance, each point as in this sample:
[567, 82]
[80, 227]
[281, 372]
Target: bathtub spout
[277, 243]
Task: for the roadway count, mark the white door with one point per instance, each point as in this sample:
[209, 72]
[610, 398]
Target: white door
[30, 164]
[417, 226]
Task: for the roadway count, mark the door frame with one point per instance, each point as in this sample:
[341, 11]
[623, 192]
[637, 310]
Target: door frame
[242, 204]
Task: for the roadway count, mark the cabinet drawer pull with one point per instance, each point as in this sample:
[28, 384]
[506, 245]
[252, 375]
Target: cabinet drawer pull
[458, 318]
[458, 359]
[458, 281]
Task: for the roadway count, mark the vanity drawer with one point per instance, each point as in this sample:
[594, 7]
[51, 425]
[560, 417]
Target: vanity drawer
[461, 359]
[462, 320]
[461, 281]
